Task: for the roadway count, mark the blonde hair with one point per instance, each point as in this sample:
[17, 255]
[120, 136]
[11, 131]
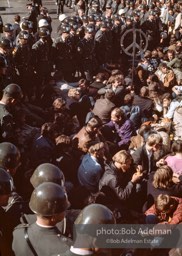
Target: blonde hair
[163, 177]
[154, 138]
[122, 157]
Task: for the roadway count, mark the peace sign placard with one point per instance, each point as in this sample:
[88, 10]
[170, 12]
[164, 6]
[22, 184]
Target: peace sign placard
[139, 43]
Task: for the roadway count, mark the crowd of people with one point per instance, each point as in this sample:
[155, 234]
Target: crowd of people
[90, 134]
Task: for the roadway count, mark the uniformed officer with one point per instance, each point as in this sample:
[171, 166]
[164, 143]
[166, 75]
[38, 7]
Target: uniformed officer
[26, 25]
[6, 51]
[10, 161]
[23, 61]
[5, 191]
[11, 94]
[101, 44]
[9, 157]
[86, 53]
[3, 76]
[43, 57]
[49, 202]
[64, 56]
[9, 33]
[91, 214]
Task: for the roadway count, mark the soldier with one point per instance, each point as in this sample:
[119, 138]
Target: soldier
[64, 56]
[43, 57]
[23, 61]
[5, 191]
[3, 76]
[116, 35]
[44, 14]
[49, 202]
[6, 51]
[151, 29]
[86, 53]
[11, 94]
[10, 161]
[101, 44]
[26, 25]
[9, 33]
[91, 214]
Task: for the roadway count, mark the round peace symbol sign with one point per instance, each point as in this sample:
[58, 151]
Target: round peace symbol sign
[139, 43]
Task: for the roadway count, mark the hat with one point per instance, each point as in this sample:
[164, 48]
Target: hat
[62, 17]
[121, 11]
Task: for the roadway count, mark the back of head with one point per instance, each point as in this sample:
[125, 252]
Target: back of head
[9, 155]
[47, 173]
[95, 214]
[94, 122]
[122, 157]
[163, 177]
[49, 199]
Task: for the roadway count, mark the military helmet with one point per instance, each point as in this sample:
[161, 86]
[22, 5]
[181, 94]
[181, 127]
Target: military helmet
[89, 29]
[47, 173]
[5, 183]
[25, 25]
[3, 62]
[65, 28]
[5, 43]
[44, 32]
[14, 91]
[95, 214]
[43, 23]
[62, 17]
[49, 199]
[9, 155]
[24, 34]
[8, 27]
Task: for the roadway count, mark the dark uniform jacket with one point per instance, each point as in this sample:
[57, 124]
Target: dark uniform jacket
[6, 123]
[46, 241]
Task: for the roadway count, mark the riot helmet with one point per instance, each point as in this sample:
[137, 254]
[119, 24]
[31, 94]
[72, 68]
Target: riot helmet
[44, 32]
[25, 25]
[49, 199]
[47, 173]
[24, 35]
[9, 155]
[95, 214]
[43, 23]
[14, 91]
[5, 43]
[8, 27]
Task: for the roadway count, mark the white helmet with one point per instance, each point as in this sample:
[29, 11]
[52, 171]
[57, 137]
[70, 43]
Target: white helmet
[62, 17]
[43, 23]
